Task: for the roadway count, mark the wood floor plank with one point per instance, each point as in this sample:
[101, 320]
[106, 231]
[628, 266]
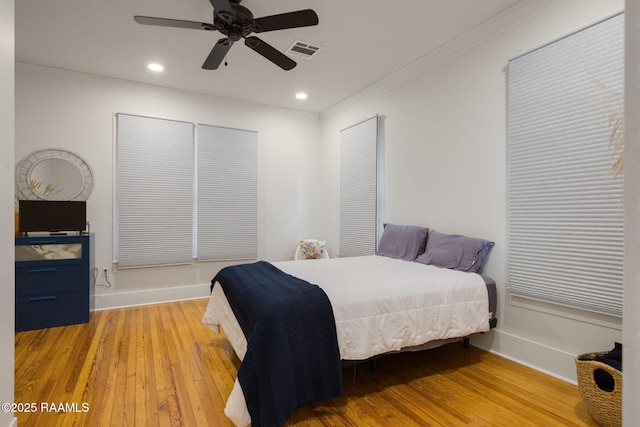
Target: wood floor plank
[160, 366]
[108, 381]
[121, 347]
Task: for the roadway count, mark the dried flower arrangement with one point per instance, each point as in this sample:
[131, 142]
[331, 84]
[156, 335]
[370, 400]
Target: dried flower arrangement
[37, 190]
[615, 101]
[616, 140]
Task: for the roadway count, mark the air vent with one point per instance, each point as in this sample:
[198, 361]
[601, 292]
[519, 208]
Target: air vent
[303, 50]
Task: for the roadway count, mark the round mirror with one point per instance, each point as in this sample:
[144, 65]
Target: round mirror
[54, 175]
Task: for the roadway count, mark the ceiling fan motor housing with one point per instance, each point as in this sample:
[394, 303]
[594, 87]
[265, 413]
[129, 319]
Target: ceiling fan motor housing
[235, 25]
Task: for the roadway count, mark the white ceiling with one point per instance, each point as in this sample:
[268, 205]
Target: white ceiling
[363, 41]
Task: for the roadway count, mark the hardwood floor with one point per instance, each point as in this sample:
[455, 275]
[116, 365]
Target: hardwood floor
[160, 366]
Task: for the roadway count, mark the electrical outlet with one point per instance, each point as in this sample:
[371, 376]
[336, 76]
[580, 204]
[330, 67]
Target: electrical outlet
[105, 273]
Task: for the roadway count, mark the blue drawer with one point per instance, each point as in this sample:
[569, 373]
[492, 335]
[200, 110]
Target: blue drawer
[53, 276]
[48, 310]
[51, 251]
[60, 278]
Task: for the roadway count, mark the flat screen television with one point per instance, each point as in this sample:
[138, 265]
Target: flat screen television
[52, 215]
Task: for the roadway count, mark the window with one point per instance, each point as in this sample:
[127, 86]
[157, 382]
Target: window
[565, 207]
[177, 200]
[359, 188]
[227, 193]
[154, 189]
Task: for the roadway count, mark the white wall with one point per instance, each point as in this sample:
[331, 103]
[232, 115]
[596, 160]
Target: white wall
[631, 350]
[6, 207]
[445, 168]
[73, 111]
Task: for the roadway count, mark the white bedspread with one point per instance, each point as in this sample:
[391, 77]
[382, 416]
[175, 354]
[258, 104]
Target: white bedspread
[380, 304]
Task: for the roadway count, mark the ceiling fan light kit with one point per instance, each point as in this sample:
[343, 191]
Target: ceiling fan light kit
[236, 22]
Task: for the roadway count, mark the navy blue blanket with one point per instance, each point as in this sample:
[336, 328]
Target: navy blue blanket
[292, 354]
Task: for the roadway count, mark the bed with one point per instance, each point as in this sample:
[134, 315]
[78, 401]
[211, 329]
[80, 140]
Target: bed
[380, 304]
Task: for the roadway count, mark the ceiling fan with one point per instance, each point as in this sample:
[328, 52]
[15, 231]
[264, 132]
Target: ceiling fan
[236, 22]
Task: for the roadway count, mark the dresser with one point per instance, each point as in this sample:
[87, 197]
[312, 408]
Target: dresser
[53, 280]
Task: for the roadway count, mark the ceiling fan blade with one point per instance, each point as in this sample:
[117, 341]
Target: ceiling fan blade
[217, 54]
[269, 52]
[177, 23]
[300, 18]
[220, 5]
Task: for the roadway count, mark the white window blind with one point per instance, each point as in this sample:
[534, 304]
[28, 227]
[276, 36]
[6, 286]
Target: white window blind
[359, 188]
[227, 214]
[565, 207]
[154, 191]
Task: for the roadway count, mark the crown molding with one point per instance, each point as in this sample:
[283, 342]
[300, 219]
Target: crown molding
[485, 31]
[50, 73]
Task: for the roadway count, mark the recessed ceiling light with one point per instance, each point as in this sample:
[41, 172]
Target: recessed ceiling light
[155, 67]
[301, 95]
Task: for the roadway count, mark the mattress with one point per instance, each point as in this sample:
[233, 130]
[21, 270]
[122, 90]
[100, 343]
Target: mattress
[380, 305]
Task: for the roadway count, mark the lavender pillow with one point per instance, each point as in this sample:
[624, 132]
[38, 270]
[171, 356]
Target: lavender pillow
[456, 252]
[404, 242]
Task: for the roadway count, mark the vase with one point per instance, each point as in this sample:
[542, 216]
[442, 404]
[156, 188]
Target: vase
[17, 224]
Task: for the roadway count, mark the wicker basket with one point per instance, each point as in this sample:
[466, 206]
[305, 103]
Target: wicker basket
[605, 407]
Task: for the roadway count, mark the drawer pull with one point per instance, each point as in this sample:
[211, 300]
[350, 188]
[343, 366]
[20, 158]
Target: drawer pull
[42, 298]
[42, 242]
[42, 270]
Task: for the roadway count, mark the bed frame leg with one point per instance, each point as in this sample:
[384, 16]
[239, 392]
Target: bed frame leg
[465, 342]
[374, 369]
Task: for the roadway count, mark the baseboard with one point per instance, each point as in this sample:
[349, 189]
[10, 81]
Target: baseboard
[549, 360]
[113, 300]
